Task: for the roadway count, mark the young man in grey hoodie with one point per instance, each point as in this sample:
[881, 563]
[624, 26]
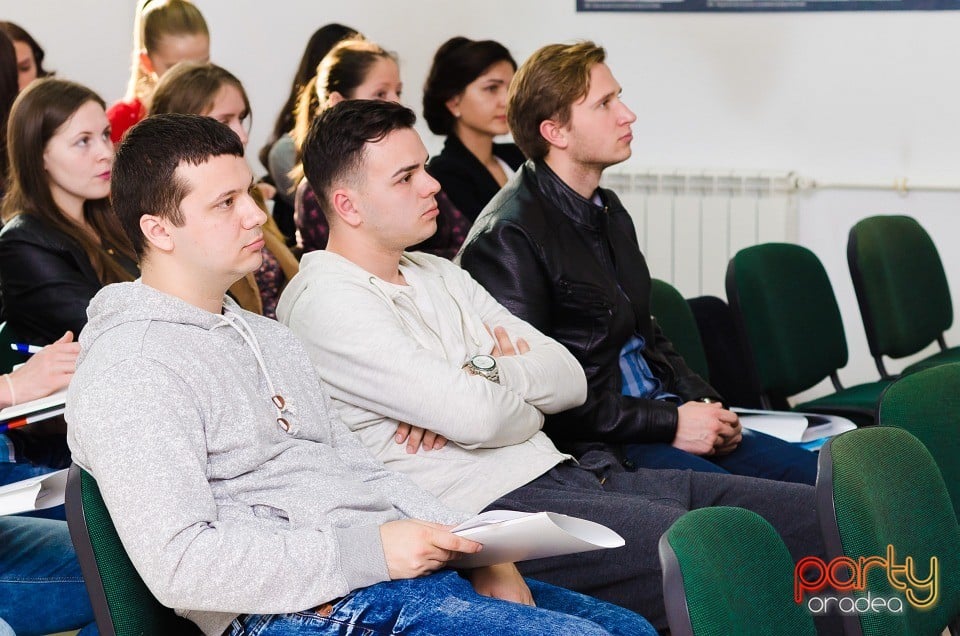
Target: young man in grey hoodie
[241, 498]
[411, 339]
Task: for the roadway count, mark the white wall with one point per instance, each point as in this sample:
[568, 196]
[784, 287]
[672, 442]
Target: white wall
[830, 95]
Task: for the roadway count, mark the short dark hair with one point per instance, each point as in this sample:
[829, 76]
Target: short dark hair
[144, 177]
[334, 147]
[343, 69]
[457, 63]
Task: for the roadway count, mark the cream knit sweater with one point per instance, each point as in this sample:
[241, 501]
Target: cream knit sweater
[385, 361]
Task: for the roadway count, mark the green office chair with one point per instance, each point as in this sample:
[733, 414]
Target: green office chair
[122, 604]
[702, 331]
[901, 289]
[880, 487]
[726, 571]
[677, 322]
[790, 321]
[927, 404]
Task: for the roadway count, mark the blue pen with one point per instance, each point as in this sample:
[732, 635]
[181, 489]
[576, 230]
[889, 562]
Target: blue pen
[22, 348]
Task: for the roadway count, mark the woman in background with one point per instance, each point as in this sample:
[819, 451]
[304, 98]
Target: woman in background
[164, 33]
[61, 241]
[279, 154]
[465, 99]
[9, 87]
[207, 89]
[29, 54]
[41, 588]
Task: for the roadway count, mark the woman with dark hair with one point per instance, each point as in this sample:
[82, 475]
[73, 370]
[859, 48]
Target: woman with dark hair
[279, 154]
[207, 89]
[29, 54]
[41, 588]
[9, 87]
[61, 242]
[465, 99]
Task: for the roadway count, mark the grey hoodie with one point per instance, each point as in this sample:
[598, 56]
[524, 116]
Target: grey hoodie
[222, 510]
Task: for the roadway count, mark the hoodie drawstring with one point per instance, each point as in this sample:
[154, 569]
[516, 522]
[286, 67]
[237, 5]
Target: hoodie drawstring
[236, 321]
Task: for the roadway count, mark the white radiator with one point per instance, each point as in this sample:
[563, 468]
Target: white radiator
[690, 223]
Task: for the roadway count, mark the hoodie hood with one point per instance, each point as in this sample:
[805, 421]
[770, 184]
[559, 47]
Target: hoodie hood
[122, 303]
[125, 303]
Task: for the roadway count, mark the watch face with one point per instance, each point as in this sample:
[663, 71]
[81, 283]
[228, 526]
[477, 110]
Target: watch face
[483, 362]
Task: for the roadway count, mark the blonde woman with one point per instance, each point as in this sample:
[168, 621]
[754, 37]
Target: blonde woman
[164, 32]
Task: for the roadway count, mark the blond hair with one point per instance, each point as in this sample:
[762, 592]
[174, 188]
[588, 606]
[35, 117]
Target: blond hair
[153, 20]
[545, 87]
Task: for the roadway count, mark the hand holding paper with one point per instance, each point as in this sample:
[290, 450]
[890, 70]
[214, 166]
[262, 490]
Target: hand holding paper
[508, 536]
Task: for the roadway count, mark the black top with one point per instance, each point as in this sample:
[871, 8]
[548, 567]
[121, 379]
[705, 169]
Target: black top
[573, 269]
[466, 181]
[46, 280]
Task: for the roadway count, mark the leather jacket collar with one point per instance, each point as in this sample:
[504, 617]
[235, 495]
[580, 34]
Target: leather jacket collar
[564, 198]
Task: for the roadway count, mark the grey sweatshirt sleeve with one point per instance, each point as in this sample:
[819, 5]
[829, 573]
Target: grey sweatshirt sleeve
[409, 498]
[137, 429]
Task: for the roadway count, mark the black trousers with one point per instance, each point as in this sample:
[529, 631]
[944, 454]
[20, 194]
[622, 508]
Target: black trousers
[641, 506]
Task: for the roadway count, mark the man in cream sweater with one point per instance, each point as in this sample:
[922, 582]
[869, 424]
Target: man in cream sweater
[443, 384]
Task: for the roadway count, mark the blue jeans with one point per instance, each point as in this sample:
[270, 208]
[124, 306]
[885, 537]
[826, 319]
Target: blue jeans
[759, 455]
[445, 603]
[41, 588]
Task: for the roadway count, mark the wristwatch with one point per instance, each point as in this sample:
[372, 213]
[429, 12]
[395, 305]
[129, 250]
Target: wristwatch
[485, 366]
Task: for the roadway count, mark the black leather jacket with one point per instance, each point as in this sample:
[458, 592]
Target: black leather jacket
[574, 270]
[46, 280]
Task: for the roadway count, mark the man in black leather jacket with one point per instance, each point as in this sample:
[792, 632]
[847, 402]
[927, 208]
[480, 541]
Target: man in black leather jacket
[562, 253]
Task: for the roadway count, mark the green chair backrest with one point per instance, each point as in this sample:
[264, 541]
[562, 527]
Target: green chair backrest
[927, 404]
[726, 571]
[678, 323]
[783, 299]
[900, 284]
[122, 603]
[880, 487]
[8, 357]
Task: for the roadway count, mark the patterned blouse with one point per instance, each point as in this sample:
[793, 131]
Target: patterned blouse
[270, 280]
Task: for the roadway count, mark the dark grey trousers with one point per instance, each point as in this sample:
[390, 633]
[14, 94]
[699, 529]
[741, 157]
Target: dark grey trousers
[640, 506]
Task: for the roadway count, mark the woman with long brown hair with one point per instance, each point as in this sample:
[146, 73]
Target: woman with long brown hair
[9, 87]
[61, 242]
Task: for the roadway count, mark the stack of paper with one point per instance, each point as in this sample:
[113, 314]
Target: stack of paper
[809, 430]
[36, 493]
[508, 536]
